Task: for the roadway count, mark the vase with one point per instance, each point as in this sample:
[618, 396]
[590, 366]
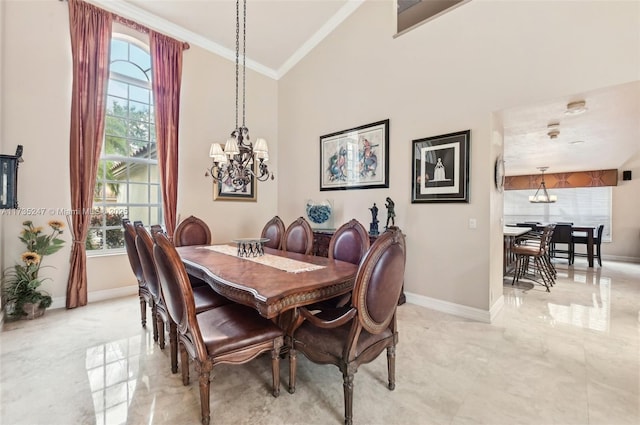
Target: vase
[320, 213]
[33, 311]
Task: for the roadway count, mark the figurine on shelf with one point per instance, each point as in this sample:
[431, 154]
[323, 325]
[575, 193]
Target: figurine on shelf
[373, 226]
[391, 213]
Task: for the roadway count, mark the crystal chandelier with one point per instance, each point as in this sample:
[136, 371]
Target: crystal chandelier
[542, 196]
[240, 161]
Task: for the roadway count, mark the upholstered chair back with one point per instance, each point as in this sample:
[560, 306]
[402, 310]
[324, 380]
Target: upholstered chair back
[274, 231]
[298, 237]
[192, 231]
[349, 243]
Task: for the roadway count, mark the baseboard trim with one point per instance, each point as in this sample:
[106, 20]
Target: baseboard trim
[496, 308]
[95, 296]
[619, 258]
[456, 309]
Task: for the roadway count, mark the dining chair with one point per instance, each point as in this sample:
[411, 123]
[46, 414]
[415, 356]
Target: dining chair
[298, 237]
[192, 231]
[357, 334]
[563, 234]
[349, 243]
[134, 261]
[274, 231]
[597, 241]
[232, 333]
[539, 251]
[204, 297]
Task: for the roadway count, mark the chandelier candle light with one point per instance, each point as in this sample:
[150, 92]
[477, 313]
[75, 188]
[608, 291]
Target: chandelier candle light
[235, 165]
[542, 196]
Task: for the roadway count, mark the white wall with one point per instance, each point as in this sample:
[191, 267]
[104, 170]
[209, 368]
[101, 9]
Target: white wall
[447, 75]
[625, 244]
[208, 115]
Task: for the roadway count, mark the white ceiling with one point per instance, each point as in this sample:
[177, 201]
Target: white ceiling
[609, 131]
[281, 32]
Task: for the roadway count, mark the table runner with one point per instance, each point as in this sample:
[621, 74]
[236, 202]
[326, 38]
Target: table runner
[281, 263]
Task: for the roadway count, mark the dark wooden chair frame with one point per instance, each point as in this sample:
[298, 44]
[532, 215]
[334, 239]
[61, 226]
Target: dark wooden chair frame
[562, 234]
[134, 260]
[351, 251]
[540, 252]
[597, 242]
[178, 296]
[372, 314]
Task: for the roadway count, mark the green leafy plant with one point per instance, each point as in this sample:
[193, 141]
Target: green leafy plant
[21, 281]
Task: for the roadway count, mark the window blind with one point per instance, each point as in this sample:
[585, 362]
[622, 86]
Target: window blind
[582, 206]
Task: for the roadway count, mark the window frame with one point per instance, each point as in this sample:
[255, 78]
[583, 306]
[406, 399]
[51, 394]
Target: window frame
[152, 182]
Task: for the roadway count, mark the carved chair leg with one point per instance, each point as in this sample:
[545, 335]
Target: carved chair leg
[516, 270]
[184, 364]
[173, 341]
[391, 366]
[292, 370]
[154, 322]
[275, 369]
[204, 375]
[348, 398]
[160, 325]
[143, 311]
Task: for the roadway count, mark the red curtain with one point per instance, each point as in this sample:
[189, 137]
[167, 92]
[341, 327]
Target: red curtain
[166, 57]
[90, 40]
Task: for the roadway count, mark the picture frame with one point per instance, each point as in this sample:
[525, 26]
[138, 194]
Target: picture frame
[227, 192]
[357, 158]
[440, 168]
[9, 179]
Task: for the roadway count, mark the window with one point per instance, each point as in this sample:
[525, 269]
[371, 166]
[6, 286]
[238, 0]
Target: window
[127, 183]
[582, 206]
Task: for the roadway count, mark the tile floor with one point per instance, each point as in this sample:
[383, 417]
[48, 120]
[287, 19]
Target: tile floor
[566, 357]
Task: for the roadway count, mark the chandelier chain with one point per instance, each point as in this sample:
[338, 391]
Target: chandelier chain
[239, 164]
[237, 57]
[244, 58]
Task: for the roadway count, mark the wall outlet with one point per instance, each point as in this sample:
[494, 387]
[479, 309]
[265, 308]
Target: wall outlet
[473, 223]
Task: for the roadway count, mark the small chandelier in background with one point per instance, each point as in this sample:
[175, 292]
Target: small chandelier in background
[235, 166]
[542, 196]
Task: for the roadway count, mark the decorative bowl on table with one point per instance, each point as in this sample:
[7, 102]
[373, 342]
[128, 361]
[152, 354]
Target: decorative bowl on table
[250, 247]
[320, 213]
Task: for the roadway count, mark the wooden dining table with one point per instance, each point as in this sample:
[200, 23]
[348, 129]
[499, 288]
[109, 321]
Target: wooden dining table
[258, 282]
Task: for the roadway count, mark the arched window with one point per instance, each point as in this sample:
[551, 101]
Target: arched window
[127, 183]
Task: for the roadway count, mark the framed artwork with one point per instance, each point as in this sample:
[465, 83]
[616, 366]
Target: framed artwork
[357, 158]
[238, 190]
[441, 168]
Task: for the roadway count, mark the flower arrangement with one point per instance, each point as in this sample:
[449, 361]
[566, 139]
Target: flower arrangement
[21, 281]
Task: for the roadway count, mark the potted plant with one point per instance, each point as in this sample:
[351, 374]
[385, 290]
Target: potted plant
[21, 281]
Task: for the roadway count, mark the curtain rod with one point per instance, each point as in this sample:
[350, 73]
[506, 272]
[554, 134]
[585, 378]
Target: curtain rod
[132, 24]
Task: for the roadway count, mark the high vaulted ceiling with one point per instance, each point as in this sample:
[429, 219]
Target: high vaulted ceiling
[281, 32]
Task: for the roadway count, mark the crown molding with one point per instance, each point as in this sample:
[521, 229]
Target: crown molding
[154, 22]
[341, 15]
[129, 11]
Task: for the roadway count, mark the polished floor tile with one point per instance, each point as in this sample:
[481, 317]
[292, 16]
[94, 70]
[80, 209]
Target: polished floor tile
[571, 356]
